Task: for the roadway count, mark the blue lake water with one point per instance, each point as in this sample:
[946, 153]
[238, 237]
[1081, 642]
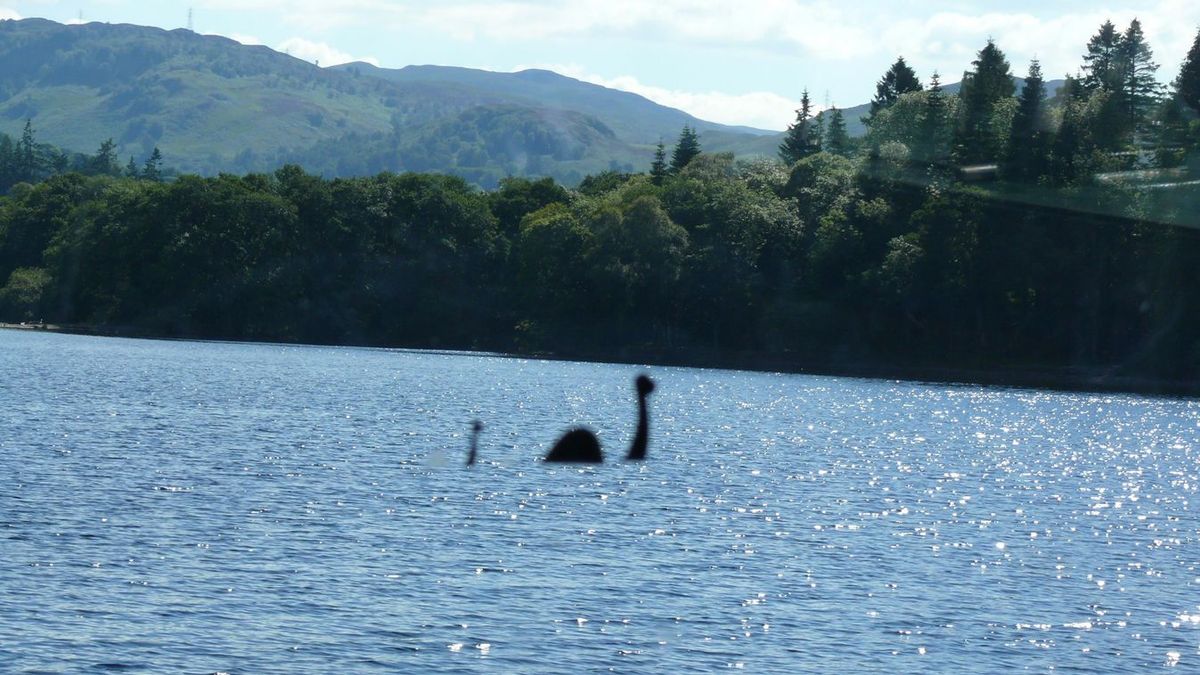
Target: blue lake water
[195, 507]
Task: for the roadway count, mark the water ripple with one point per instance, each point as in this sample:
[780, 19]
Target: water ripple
[207, 507]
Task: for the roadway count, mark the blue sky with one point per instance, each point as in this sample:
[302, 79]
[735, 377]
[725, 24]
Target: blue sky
[737, 62]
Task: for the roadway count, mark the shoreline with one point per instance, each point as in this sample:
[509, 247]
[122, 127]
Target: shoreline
[1100, 380]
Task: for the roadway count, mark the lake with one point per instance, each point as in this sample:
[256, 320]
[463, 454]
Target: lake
[195, 507]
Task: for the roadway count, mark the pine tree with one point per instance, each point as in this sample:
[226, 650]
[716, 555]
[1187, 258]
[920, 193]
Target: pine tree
[152, 170]
[1073, 145]
[1026, 147]
[1188, 82]
[1140, 90]
[27, 154]
[837, 140]
[131, 169]
[105, 161]
[897, 81]
[8, 162]
[798, 142]
[658, 168]
[932, 145]
[990, 83]
[685, 150]
[1102, 61]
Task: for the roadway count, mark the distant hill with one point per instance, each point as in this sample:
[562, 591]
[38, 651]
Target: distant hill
[212, 104]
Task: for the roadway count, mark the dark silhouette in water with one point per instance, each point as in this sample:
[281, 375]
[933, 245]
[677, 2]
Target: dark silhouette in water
[475, 429]
[582, 446]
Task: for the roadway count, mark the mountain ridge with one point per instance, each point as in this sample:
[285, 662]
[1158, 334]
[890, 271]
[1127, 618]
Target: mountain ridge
[212, 104]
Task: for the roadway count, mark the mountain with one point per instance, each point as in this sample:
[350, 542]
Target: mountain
[212, 104]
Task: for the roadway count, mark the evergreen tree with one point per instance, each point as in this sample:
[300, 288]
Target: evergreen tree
[1073, 145]
[932, 143]
[1102, 61]
[900, 79]
[798, 142]
[658, 168]
[837, 140]
[1188, 82]
[131, 169]
[1026, 147]
[990, 83]
[152, 170]
[685, 150]
[1139, 89]
[8, 162]
[27, 154]
[104, 163]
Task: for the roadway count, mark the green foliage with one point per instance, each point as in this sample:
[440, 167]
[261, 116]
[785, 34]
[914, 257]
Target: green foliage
[1188, 83]
[803, 137]
[836, 139]
[1027, 153]
[899, 80]
[1102, 63]
[686, 149]
[23, 296]
[979, 139]
[658, 167]
[1139, 87]
[152, 169]
[921, 121]
[517, 197]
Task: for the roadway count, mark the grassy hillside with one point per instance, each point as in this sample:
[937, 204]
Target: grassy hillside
[211, 104]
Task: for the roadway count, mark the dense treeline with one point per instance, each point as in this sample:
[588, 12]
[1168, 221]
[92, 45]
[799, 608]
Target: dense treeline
[981, 230]
[25, 160]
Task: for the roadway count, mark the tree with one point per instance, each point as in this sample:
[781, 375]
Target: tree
[1188, 82]
[1140, 90]
[152, 170]
[8, 162]
[685, 150]
[27, 164]
[131, 169]
[932, 139]
[990, 83]
[519, 196]
[837, 140]
[104, 163]
[658, 168]
[1026, 147]
[1102, 61]
[899, 80]
[798, 142]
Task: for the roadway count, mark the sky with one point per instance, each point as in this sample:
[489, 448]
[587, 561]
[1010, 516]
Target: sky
[731, 61]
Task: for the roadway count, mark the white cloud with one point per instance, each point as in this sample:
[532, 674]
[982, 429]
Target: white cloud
[6, 13]
[817, 26]
[867, 31]
[318, 15]
[761, 109]
[952, 39]
[320, 53]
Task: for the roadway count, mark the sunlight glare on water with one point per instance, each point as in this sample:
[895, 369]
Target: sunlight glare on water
[209, 507]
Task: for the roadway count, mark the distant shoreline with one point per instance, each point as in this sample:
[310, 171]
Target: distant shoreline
[1064, 379]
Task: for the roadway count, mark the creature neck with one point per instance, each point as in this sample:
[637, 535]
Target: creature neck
[637, 449]
[474, 446]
